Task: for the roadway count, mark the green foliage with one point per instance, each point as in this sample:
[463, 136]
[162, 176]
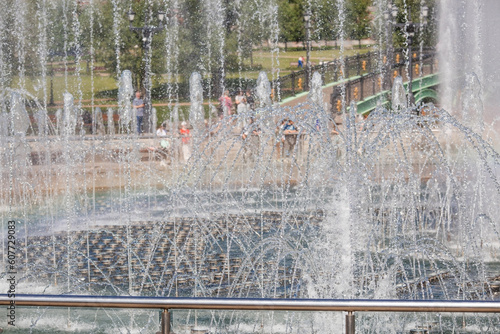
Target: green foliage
[192, 37]
[358, 18]
[131, 47]
[412, 13]
[208, 41]
[325, 19]
[291, 20]
[247, 32]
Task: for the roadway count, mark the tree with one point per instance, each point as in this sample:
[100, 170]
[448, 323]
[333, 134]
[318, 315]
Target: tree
[192, 37]
[248, 30]
[358, 19]
[291, 21]
[325, 18]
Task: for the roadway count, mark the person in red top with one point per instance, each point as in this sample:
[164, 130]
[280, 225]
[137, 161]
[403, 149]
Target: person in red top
[225, 103]
[186, 140]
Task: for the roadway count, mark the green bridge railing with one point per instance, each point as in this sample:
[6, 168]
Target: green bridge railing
[422, 89]
[297, 82]
[372, 89]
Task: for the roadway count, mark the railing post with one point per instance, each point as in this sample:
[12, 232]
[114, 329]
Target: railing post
[293, 83]
[350, 322]
[323, 70]
[361, 88]
[348, 89]
[358, 60]
[165, 322]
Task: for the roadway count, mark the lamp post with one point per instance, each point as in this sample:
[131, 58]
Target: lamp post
[51, 54]
[409, 28]
[147, 35]
[307, 18]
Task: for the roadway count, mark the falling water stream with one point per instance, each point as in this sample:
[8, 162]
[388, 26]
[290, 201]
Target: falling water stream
[394, 206]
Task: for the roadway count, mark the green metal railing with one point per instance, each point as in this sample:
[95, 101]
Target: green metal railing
[372, 88]
[349, 67]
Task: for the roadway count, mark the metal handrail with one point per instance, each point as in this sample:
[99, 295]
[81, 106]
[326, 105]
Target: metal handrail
[353, 305]
[167, 303]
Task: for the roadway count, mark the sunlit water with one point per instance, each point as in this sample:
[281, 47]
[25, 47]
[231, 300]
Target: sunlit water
[389, 208]
[396, 206]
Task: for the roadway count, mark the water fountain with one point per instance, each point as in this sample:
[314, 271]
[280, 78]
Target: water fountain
[196, 113]
[125, 93]
[393, 206]
[100, 130]
[399, 99]
[263, 90]
[468, 52]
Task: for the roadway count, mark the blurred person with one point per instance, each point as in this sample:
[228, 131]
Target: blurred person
[250, 100]
[138, 105]
[161, 132]
[291, 132]
[225, 104]
[241, 103]
[185, 135]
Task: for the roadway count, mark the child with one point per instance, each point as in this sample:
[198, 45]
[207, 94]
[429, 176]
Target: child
[186, 139]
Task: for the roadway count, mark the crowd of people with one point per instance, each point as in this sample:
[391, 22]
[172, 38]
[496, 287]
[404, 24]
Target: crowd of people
[243, 102]
[166, 147]
[287, 132]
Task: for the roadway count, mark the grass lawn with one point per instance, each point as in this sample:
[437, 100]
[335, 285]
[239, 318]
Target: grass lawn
[34, 86]
[285, 58]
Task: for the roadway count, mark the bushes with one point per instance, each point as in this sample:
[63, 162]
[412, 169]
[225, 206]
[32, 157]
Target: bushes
[160, 92]
[233, 85]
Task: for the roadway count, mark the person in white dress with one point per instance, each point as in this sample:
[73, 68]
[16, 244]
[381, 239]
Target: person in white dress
[241, 103]
[185, 135]
[161, 132]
